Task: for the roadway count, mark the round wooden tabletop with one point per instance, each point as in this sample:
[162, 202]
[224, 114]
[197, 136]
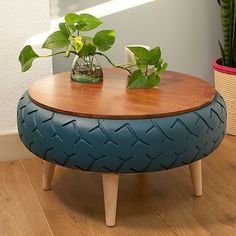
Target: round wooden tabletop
[177, 93]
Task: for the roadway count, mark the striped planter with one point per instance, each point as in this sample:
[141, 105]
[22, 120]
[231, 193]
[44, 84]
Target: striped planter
[225, 83]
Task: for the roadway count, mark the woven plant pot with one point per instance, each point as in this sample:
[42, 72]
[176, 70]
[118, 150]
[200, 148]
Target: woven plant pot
[225, 83]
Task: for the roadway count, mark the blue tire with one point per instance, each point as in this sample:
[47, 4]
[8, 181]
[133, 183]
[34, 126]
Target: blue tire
[121, 146]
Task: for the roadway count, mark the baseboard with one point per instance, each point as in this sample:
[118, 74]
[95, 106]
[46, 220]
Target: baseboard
[11, 147]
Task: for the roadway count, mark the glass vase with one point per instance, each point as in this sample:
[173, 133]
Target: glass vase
[86, 70]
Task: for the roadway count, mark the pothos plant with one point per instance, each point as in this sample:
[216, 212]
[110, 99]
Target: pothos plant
[69, 39]
[149, 64]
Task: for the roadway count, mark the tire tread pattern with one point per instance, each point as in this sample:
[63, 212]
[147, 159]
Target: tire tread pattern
[121, 146]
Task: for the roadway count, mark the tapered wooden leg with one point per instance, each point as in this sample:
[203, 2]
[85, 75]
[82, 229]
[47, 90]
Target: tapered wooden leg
[110, 190]
[196, 176]
[48, 172]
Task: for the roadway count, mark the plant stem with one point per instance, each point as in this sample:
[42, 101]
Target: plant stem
[72, 45]
[108, 59]
[57, 54]
[90, 64]
[146, 72]
[127, 65]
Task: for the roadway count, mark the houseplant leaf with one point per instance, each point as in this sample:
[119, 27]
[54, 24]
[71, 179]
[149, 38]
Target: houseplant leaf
[153, 80]
[234, 52]
[26, 57]
[85, 22]
[66, 29]
[227, 16]
[56, 40]
[234, 38]
[88, 47]
[142, 65]
[137, 80]
[222, 53]
[155, 55]
[72, 18]
[88, 22]
[63, 29]
[78, 44]
[164, 67]
[160, 68]
[104, 39]
[141, 53]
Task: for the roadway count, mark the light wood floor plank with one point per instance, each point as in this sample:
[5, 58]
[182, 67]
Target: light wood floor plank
[75, 205]
[20, 212]
[162, 203]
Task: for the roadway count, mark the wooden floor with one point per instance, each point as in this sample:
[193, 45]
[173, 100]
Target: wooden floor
[155, 204]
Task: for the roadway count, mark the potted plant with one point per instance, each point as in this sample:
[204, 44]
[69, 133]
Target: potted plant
[149, 65]
[225, 67]
[69, 40]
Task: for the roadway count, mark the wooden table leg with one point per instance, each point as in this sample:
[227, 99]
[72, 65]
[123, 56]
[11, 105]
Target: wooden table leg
[196, 176]
[48, 172]
[110, 190]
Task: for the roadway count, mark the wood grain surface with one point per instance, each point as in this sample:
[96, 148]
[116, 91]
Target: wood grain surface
[178, 93]
[20, 211]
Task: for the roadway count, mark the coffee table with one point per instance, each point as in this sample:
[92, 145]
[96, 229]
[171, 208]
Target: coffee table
[108, 129]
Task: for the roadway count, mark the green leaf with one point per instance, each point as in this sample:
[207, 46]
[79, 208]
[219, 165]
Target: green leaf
[160, 68]
[85, 22]
[66, 29]
[141, 53]
[26, 57]
[134, 76]
[142, 65]
[234, 52]
[104, 39]
[88, 48]
[137, 80]
[222, 53]
[70, 28]
[56, 40]
[78, 43]
[72, 18]
[164, 67]
[155, 55]
[63, 29]
[228, 23]
[153, 80]
[88, 22]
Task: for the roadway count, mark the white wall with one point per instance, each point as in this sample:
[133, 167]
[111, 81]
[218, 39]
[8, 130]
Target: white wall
[186, 30]
[19, 20]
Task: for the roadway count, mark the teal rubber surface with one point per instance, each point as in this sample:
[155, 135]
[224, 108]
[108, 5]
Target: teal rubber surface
[121, 146]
